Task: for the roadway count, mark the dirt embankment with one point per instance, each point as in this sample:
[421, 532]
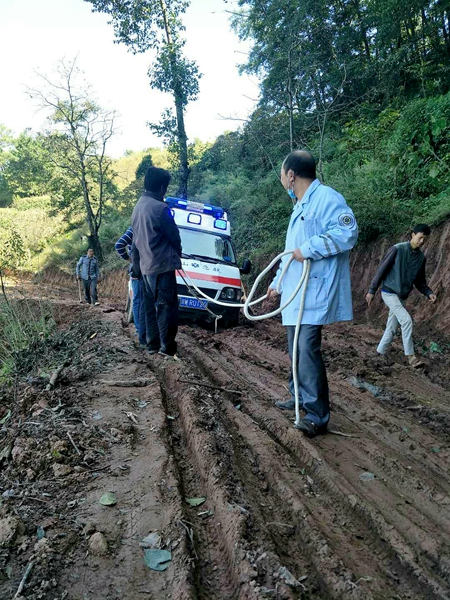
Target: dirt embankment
[428, 317]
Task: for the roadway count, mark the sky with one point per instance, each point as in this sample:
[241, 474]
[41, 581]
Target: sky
[36, 34]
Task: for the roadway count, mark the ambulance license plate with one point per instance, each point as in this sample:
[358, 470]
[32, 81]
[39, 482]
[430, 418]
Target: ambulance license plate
[193, 303]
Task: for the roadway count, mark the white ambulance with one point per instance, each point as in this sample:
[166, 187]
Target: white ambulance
[208, 259]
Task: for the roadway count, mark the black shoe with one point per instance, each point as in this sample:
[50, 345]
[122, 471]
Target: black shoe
[288, 405]
[310, 429]
[152, 351]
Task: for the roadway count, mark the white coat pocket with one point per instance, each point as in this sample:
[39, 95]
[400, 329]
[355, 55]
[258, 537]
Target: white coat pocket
[317, 294]
[310, 224]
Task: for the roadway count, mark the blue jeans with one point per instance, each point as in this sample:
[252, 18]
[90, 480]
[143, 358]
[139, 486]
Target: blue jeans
[312, 375]
[139, 312]
[161, 309]
[90, 290]
[136, 302]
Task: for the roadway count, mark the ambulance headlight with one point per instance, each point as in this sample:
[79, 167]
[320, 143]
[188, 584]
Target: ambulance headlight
[229, 293]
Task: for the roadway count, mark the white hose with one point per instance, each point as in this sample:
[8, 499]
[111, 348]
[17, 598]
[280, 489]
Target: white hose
[249, 303]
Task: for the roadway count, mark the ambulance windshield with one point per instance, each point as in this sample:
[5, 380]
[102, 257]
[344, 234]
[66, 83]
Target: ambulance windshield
[201, 244]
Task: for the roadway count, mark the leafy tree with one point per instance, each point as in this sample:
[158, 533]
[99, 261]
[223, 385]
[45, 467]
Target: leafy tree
[79, 130]
[5, 142]
[12, 249]
[156, 24]
[28, 169]
[145, 164]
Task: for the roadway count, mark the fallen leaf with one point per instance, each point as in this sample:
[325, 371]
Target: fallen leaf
[435, 450]
[6, 417]
[6, 451]
[153, 540]
[157, 560]
[367, 476]
[195, 501]
[108, 499]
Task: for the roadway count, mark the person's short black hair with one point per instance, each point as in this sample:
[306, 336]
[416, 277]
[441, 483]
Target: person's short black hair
[422, 228]
[90, 249]
[156, 180]
[302, 163]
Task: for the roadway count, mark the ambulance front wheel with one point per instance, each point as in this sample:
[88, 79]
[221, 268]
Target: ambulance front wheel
[233, 319]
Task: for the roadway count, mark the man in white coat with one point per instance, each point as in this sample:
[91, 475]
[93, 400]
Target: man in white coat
[322, 229]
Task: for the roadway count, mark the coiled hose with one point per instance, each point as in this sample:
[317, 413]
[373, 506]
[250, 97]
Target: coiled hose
[303, 283]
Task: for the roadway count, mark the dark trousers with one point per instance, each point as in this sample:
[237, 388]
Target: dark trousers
[90, 290]
[161, 308]
[312, 375]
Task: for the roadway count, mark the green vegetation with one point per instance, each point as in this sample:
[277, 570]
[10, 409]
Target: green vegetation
[157, 24]
[365, 85]
[24, 326]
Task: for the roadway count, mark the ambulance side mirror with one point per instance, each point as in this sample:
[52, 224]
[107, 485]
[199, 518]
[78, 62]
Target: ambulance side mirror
[246, 267]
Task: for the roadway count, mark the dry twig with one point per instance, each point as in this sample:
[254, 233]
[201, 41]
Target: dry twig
[213, 387]
[73, 443]
[24, 579]
[190, 533]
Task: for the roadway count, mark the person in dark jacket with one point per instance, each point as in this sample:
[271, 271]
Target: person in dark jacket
[87, 270]
[402, 268]
[156, 252]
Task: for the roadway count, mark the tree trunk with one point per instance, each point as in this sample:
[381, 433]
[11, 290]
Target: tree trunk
[290, 100]
[179, 109]
[90, 218]
[182, 144]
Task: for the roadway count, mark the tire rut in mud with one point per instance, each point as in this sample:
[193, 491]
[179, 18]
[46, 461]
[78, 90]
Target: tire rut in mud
[353, 532]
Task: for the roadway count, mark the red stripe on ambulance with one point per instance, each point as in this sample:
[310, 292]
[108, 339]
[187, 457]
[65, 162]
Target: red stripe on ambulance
[215, 278]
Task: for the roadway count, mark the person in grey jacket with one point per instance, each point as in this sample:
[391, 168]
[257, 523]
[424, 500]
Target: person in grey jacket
[87, 270]
[156, 255]
[402, 268]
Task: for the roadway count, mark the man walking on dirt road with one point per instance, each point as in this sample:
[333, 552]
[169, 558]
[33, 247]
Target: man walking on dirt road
[322, 229]
[402, 268]
[87, 270]
[157, 250]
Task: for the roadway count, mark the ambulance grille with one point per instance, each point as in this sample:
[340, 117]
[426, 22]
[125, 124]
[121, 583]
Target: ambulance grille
[183, 291]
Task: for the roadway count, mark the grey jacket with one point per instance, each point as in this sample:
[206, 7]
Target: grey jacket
[87, 268]
[401, 269]
[156, 236]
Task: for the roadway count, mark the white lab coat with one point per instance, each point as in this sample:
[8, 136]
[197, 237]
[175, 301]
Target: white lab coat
[324, 228]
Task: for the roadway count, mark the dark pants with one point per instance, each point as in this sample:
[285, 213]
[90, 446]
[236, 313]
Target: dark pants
[145, 319]
[312, 376]
[90, 290]
[161, 308]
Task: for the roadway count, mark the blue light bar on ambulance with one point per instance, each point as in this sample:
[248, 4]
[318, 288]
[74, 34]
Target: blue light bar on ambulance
[216, 211]
[220, 224]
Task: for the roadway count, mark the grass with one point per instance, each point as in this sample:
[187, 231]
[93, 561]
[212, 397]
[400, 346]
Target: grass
[24, 324]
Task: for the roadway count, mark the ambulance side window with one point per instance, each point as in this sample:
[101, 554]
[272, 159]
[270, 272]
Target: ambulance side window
[227, 251]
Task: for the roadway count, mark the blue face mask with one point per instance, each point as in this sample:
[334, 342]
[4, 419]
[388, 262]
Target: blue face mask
[292, 194]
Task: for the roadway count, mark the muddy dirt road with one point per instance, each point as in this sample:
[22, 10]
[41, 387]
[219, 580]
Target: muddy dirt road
[366, 516]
